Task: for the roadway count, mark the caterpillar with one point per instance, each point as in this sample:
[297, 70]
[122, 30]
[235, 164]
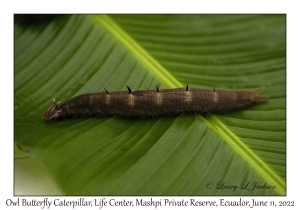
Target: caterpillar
[153, 103]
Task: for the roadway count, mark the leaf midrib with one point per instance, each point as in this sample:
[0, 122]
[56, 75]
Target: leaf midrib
[246, 153]
[137, 51]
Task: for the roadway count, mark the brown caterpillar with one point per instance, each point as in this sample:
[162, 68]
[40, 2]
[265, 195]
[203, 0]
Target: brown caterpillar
[153, 103]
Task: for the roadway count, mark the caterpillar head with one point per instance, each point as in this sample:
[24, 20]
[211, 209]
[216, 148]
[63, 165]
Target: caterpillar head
[52, 112]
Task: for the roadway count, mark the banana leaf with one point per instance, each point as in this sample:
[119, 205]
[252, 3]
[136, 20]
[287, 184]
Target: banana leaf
[238, 153]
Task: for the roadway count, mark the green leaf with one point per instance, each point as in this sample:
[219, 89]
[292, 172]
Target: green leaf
[186, 155]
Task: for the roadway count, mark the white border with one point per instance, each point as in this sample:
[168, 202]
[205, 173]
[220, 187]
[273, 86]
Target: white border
[8, 8]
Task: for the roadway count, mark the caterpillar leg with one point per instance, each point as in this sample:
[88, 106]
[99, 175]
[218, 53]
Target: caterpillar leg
[204, 114]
